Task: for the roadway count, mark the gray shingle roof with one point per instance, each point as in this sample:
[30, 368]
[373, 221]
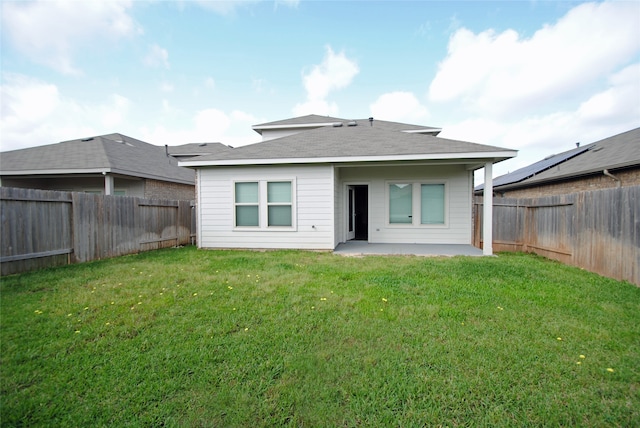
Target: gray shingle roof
[302, 120]
[115, 153]
[535, 168]
[196, 149]
[323, 120]
[348, 142]
[619, 151]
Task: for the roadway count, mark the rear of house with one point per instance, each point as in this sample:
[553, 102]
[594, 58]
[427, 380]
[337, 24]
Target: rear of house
[331, 184]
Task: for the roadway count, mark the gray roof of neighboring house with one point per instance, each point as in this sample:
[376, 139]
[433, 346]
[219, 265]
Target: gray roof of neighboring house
[314, 119]
[349, 143]
[619, 151]
[535, 168]
[196, 149]
[112, 153]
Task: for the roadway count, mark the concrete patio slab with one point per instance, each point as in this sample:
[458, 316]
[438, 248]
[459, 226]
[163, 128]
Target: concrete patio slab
[361, 248]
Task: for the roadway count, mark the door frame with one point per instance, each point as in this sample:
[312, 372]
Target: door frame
[350, 208]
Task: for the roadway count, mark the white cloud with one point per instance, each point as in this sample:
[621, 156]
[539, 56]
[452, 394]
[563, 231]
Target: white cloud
[225, 7]
[620, 102]
[210, 83]
[504, 74]
[320, 107]
[230, 7]
[166, 87]
[208, 125]
[113, 114]
[35, 113]
[335, 72]
[157, 57]
[571, 81]
[400, 107]
[50, 32]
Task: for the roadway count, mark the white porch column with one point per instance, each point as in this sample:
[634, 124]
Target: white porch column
[487, 210]
[108, 184]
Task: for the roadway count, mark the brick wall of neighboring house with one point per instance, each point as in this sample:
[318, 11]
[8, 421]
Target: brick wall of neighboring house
[629, 177]
[154, 189]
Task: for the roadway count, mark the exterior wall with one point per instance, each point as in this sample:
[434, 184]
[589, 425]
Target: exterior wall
[77, 184]
[629, 177]
[155, 189]
[458, 181]
[314, 199]
[270, 134]
[338, 215]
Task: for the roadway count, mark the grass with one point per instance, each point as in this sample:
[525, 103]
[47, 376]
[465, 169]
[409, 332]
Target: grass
[185, 337]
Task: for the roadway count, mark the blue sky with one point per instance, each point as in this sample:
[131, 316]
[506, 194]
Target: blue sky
[536, 76]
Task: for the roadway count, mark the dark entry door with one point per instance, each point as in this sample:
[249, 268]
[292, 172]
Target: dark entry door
[358, 212]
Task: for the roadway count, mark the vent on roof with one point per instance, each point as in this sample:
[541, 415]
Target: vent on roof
[87, 139]
[352, 123]
[202, 145]
[337, 124]
[596, 149]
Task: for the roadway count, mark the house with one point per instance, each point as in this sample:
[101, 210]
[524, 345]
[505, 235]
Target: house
[611, 162]
[112, 164]
[283, 128]
[191, 150]
[314, 182]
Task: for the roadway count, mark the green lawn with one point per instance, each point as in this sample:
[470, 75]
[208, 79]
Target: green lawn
[186, 337]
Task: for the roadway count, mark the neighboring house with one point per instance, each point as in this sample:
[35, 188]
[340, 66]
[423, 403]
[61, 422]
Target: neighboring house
[328, 180]
[191, 150]
[112, 164]
[611, 162]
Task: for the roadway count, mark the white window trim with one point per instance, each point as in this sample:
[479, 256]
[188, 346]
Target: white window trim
[245, 204]
[263, 206]
[416, 205]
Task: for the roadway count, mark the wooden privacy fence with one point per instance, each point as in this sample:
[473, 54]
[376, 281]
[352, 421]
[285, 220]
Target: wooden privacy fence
[598, 230]
[42, 228]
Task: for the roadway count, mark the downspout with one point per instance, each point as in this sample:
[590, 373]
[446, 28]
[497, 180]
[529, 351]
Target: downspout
[608, 174]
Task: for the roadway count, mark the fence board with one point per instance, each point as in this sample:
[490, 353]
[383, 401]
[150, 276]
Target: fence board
[598, 230]
[48, 228]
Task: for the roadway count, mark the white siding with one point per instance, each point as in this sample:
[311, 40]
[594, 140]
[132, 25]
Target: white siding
[314, 208]
[338, 210]
[458, 187]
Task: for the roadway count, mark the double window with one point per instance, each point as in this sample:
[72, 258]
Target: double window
[264, 204]
[417, 203]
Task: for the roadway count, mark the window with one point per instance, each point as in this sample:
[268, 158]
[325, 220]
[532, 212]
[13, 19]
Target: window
[400, 203]
[247, 213]
[423, 202]
[432, 204]
[279, 203]
[265, 204]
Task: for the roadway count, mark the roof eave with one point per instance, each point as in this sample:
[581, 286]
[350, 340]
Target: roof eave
[56, 171]
[97, 171]
[488, 156]
[260, 128]
[427, 131]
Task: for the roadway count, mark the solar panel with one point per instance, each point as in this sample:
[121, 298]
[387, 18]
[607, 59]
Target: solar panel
[535, 168]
